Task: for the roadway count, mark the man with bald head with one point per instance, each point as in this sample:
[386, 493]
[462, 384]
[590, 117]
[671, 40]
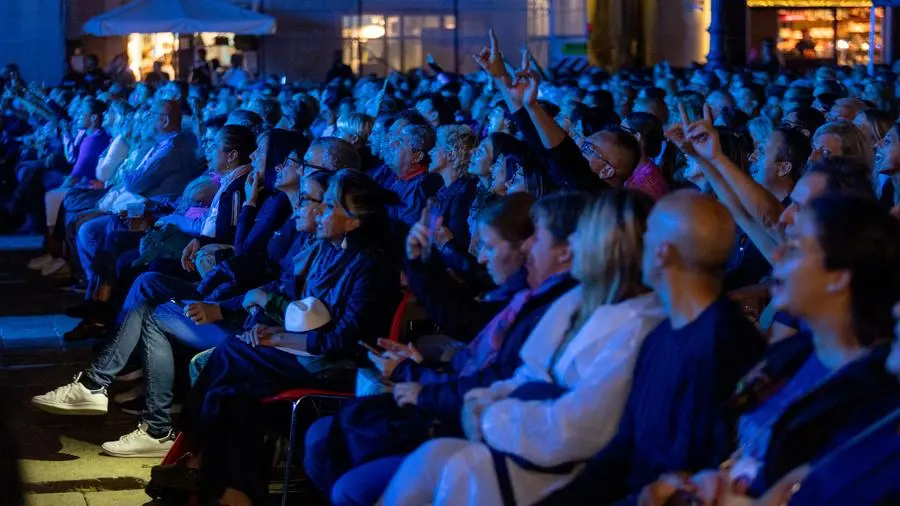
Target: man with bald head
[171, 164]
[687, 367]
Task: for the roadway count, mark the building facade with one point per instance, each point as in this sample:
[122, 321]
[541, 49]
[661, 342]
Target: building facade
[377, 36]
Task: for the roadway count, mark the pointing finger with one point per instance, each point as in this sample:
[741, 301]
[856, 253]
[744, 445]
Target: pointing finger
[685, 122]
[708, 113]
[495, 46]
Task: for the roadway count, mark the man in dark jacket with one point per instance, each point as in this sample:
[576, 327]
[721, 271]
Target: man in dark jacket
[426, 402]
[407, 157]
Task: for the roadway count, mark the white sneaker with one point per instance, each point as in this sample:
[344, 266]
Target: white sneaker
[139, 444]
[53, 266]
[38, 263]
[129, 395]
[73, 399]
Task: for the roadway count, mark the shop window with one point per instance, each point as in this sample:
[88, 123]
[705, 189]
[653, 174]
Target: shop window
[841, 34]
[538, 18]
[386, 42]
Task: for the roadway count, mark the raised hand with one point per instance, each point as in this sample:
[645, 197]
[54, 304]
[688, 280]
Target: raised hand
[702, 135]
[251, 188]
[490, 59]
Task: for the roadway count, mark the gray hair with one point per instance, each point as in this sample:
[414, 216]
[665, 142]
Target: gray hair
[339, 154]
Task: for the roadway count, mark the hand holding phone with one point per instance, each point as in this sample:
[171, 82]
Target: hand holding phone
[375, 351]
[180, 303]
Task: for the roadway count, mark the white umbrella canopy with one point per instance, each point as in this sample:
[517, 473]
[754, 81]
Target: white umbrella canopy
[180, 16]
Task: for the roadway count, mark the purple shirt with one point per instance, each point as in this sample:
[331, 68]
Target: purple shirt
[89, 153]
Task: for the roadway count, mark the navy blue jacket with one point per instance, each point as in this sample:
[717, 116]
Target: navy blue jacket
[675, 418]
[414, 194]
[443, 392]
[455, 202]
[863, 472]
[360, 286]
[243, 272]
[167, 168]
[257, 224]
[854, 398]
[456, 307]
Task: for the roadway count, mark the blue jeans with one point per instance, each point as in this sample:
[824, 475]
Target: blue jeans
[88, 242]
[147, 321]
[360, 486]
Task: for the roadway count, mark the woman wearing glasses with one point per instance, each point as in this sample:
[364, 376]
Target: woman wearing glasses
[354, 276]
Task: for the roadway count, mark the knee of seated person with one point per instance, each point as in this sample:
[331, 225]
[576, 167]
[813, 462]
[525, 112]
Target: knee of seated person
[316, 454]
[349, 492]
[317, 433]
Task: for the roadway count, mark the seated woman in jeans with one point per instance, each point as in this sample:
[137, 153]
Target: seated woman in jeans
[149, 320]
[357, 280]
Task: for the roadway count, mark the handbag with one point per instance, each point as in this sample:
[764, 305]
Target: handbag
[166, 242]
[374, 427]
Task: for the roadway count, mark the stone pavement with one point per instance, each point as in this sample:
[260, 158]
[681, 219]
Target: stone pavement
[60, 456]
[61, 461]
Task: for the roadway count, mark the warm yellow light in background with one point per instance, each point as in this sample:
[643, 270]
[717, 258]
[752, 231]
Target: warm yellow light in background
[372, 31]
[809, 3]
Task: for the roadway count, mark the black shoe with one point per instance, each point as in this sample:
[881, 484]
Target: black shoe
[177, 476]
[86, 330]
[83, 310]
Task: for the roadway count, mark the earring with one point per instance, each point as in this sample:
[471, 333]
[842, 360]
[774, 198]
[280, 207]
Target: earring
[344, 243]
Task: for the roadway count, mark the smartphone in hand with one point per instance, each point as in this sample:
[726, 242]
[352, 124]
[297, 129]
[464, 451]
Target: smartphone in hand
[375, 351]
[180, 303]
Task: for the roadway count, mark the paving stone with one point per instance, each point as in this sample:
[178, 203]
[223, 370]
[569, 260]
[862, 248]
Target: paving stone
[65, 499]
[117, 498]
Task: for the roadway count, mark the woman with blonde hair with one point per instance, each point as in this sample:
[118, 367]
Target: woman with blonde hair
[841, 138]
[450, 158]
[526, 435]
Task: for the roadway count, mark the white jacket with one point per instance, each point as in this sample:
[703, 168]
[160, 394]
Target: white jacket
[596, 368]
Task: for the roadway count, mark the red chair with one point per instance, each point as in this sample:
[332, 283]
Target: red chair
[296, 396]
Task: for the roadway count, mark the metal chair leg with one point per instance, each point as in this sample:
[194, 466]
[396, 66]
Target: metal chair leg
[290, 453]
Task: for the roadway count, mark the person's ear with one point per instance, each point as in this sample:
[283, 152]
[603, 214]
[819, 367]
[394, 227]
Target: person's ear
[664, 255]
[232, 156]
[638, 136]
[420, 155]
[353, 224]
[784, 168]
[840, 282]
[565, 254]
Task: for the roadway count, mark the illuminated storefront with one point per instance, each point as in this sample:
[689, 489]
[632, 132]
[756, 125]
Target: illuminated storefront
[847, 32]
[145, 48]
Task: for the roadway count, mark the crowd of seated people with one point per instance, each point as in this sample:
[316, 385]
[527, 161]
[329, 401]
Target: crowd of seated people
[656, 287]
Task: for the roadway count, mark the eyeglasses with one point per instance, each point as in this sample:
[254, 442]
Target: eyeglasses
[307, 201]
[312, 167]
[589, 151]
